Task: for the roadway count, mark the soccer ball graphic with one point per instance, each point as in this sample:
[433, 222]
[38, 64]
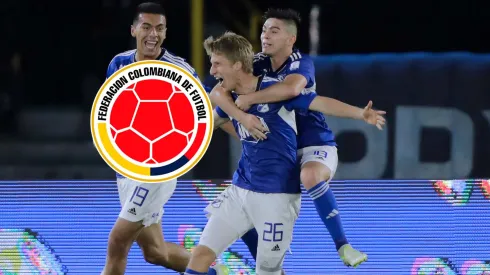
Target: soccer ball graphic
[152, 121]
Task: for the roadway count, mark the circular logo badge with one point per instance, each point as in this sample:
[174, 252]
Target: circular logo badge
[151, 121]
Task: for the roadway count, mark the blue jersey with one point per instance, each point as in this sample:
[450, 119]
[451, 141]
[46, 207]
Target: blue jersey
[270, 166]
[129, 57]
[312, 126]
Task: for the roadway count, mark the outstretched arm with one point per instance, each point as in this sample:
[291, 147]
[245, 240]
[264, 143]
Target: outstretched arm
[333, 107]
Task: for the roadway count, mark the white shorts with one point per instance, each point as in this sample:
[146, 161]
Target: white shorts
[144, 201]
[326, 155]
[236, 210]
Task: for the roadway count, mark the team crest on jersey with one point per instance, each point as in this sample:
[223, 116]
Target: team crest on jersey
[217, 203]
[294, 66]
[151, 121]
[263, 108]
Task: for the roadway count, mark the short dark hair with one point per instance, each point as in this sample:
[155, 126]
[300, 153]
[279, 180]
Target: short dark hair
[283, 14]
[148, 7]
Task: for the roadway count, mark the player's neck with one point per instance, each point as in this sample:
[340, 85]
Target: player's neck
[246, 84]
[278, 59]
[140, 57]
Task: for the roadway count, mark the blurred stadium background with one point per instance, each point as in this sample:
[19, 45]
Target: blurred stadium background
[425, 62]
[55, 56]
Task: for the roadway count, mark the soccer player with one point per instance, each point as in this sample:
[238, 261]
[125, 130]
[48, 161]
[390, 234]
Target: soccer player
[316, 142]
[142, 203]
[262, 194]
[265, 191]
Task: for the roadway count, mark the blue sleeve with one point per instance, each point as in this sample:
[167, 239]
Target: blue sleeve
[221, 113]
[208, 89]
[194, 73]
[305, 67]
[301, 102]
[258, 64]
[111, 69]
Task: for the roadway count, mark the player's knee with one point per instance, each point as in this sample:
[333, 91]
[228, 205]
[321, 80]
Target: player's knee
[313, 173]
[155, 255]
[118, 244]
[270, 266]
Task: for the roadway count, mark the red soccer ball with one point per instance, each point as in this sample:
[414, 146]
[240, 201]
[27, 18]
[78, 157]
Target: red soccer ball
[152, 121]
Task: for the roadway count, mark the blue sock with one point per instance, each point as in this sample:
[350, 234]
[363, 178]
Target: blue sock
[251, 239]
[326, 206]
[189, 271]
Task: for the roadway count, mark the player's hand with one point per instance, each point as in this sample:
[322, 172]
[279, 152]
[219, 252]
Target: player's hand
[254, 126]
[243, 103]
[373, 117]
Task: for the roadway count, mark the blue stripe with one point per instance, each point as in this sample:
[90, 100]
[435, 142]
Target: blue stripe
[169, 168]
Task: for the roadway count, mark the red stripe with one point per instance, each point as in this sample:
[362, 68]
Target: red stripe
[201, 131]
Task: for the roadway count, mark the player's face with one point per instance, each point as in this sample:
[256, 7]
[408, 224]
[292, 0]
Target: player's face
[275, 37]
[223, 70]
[150, 31]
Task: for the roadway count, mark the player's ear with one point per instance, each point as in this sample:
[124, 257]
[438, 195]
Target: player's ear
[292, 39]
[237, 66]
[133, 31]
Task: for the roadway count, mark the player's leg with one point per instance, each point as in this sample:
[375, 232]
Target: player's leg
[158, 252]
[251, 240]
[274, 216]
[151, 240]
[318, 166]
[120, 240]
[227, 223]
[216, 237]
[127, 227]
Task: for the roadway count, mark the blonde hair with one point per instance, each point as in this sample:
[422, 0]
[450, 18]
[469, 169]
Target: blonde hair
[234, 47]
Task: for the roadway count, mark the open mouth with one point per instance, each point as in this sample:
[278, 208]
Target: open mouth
[151, 44]
[220, 80]
[266, 45]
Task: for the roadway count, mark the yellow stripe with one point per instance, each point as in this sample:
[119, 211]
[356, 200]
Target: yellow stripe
[197, 36]
[109, 147]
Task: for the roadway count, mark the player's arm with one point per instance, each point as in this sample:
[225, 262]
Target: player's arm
[333, 107]
[291, 87]
[112, 68]
[228, 128]
[219, 118]
[224, 100]
[302, 71]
